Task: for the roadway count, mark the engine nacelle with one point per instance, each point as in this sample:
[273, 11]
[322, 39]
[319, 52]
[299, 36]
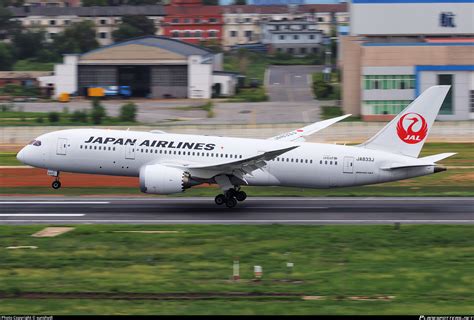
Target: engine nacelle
[158, 179]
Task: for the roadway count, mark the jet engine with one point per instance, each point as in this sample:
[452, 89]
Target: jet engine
[159, 179]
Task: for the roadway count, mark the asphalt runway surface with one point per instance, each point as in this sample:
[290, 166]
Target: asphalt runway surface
[78, 210]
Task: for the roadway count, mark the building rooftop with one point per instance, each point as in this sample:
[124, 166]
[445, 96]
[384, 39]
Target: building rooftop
[281, 9]
[165, 43]
[146, 10]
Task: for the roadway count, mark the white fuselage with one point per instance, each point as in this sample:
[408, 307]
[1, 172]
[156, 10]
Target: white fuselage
[123, 153]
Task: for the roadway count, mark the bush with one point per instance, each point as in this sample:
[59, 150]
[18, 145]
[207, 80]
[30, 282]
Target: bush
[98, 112]
[251, 95]
[53, 117]
[5, 107]
[39, 119]
[128, 112]
[325, 90]
[79, 116]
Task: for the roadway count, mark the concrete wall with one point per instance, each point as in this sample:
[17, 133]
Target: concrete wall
[199, 78]
[410, 18]
[66, 76]
[461, 87]
[227, 82]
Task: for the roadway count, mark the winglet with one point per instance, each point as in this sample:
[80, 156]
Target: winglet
[308, 130]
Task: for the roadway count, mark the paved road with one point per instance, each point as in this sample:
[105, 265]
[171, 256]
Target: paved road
[291, 83]
[252, 211]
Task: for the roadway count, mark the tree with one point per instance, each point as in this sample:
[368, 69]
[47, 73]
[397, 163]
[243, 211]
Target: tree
[78, 38]
[240, 2]
[134, 26]
[8, 26]
[28, 44]
[6, 57]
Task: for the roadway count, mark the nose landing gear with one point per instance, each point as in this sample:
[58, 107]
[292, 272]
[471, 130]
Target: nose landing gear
[56, 183]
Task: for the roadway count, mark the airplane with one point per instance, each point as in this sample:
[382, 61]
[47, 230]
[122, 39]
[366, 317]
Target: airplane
[168, 163]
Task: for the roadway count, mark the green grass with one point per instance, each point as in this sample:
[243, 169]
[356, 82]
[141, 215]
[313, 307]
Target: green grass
[20, 118]
[427, 268]
[30, 65]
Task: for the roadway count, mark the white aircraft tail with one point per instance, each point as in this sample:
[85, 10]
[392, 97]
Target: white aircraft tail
[408, 131]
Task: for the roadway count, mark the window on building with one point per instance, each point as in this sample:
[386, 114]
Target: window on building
[212, 34]
[290, 50]
[52, 22]
[389, 82]
[187, 34]
[248, 34]
[233, 33]
[315, 49]
[311, 36]
[472, 101]
[320, 19]
[303, 50]
[103, 35]
[296, 37]
[67, 22]
[384, 106]
[447, 106]
[198, 34]
[175, 20]
[103, 21]
[248, 20]
[175, 34]
[186, 20]
[281, 37]
[212, 20]
[197, 20]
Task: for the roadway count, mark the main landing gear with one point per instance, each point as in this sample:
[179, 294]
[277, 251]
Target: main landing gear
[230, 197]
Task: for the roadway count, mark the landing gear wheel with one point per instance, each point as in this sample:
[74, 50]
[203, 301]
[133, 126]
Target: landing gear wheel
[240, 195]
[56, 184]
[220, 199]
[230, 202]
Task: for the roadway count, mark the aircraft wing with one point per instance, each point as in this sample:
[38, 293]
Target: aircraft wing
[238, 167]
[299, 134]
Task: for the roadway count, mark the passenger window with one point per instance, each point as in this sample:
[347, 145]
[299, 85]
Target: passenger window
[320, 161]
[335, 163]
[95, 147]
[330, 162]
[80, 147]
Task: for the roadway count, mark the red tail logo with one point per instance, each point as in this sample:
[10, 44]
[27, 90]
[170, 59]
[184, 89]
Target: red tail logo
[416, 128]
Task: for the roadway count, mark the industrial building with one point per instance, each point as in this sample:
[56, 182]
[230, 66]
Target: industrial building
[397, 49]
[152, 66]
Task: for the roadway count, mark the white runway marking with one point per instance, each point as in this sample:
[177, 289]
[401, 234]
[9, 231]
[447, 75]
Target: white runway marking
[253, 221]
[54, 202]
[42, 214]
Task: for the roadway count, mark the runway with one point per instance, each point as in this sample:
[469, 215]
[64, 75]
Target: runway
[74, 210]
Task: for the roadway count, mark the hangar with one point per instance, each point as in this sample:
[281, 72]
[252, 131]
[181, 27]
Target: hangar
[153, 67]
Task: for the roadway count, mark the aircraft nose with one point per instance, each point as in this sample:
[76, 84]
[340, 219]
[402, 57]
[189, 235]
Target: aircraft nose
[21, 156]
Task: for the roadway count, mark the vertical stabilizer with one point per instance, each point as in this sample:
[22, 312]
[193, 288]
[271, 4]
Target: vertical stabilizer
[408, 131]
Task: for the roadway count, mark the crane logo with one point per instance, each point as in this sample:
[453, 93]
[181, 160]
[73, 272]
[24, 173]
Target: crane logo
[412, 128]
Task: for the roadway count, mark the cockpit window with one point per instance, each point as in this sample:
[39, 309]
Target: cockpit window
[36, 143]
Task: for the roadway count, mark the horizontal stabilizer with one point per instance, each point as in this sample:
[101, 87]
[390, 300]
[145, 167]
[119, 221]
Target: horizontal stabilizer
[438, 157]
[421, 162]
